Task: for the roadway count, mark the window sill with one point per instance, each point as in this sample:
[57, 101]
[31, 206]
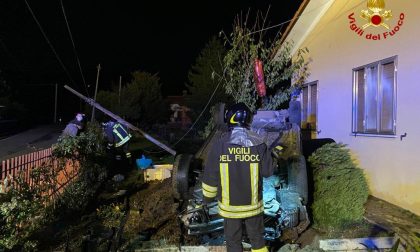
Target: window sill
[373, 135]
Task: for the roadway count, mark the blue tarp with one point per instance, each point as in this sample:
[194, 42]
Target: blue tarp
[143, 162]
[271, 205]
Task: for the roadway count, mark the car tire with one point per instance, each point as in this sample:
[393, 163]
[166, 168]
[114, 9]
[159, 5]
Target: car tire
[298, 178]
[180, 175]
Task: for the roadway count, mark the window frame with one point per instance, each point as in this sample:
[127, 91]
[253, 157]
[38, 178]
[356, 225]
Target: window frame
[309, 85]
[379, 64]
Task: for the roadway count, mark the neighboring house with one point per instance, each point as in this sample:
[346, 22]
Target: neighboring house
[363, 87]
[179, 111]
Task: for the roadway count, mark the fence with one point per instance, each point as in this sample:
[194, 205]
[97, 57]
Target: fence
[25, 164]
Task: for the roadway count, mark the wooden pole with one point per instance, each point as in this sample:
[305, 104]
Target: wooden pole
[96, 91]
[94, 104]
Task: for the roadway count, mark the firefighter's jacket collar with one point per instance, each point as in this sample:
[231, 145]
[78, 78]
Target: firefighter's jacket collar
[244, 137]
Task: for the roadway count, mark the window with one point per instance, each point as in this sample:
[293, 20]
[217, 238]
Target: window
[374, 98]
[309, 105]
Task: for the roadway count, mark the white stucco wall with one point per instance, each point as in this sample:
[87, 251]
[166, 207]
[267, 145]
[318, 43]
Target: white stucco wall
[392, 166]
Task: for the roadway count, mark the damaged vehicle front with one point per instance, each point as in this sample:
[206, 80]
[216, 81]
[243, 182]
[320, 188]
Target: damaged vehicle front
[285, 194]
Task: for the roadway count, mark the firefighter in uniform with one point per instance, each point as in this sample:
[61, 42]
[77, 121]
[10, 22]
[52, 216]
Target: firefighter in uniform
[118, 137]
[233, 173]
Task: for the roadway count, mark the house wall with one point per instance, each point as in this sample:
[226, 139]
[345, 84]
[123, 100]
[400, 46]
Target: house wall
[392, 165]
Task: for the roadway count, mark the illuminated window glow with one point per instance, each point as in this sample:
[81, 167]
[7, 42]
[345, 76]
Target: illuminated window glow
[374, 98]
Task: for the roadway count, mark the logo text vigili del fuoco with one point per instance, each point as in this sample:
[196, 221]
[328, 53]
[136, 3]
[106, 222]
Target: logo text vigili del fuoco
[376, 16]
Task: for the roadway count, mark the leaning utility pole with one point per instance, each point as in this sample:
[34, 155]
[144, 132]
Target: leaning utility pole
[96, 91]
[94, 104]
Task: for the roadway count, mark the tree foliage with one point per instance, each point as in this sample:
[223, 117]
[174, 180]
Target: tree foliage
[141, 99]
[26, 209]
[249, 42]
[202, 84]
[14, 109]
[341, 188]
[87, 149]
[19, 216]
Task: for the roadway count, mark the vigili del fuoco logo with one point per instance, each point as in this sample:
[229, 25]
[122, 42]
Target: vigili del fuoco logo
[376, 16]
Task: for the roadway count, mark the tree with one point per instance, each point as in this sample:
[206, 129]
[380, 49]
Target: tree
[248, 43]
[141, 99]
[201, 83]
[109, 99]
[4, 87]
[8, 98]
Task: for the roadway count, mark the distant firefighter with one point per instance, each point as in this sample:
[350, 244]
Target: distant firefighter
[74, 126]
[118, 139]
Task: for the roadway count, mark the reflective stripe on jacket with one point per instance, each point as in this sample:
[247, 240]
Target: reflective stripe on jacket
[233, 173]
[122, 136]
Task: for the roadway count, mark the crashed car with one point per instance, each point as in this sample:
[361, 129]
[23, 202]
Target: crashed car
[285, 194]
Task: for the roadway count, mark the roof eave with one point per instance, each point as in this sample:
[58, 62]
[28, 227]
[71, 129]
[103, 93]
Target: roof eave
[294, 20]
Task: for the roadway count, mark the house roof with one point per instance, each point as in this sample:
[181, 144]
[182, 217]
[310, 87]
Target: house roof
[294, 19]
[304, 20]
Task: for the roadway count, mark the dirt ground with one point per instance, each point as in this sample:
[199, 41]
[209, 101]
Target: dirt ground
[151, 220]
[153, 215]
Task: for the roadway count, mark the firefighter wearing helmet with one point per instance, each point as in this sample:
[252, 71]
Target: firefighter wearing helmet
[233, 175]
[74, 127]
[118, 138]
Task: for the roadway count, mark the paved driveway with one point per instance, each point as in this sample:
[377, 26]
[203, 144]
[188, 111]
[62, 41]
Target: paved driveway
[28, 141]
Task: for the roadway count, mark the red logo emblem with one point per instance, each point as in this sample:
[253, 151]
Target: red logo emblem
[375, 14]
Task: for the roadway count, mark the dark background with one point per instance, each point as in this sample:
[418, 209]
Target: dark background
[161, 37]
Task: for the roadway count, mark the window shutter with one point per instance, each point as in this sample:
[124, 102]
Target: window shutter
[387, 101]
[371, 97]
[305, 105]
[360, 118]
[312, 116]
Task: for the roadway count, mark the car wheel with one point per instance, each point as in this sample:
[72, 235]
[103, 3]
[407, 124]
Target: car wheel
[180, 174]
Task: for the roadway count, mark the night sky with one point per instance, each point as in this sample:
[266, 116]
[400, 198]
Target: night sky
[123, 36]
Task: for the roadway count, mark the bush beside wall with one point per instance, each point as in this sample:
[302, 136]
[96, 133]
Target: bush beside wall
[341, 188]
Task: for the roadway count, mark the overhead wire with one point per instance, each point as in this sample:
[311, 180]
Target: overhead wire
[50, 44]
[74, 47]
[214, 92]
[199, 116]
[195, 122]
[290, 20]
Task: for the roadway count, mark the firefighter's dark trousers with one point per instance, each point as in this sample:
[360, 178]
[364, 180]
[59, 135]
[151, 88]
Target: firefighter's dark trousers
[254, 228]
[123, 151]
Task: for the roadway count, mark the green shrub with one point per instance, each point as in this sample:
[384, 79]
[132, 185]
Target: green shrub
[341, 189]
[88, 150]
[26, 210]
[19, 217]
[111, 215]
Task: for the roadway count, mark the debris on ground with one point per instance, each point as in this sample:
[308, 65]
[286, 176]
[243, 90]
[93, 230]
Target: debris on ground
[159, 172]
[143, 162]
[404, 223]
[296, 248]
[153, 216]
[118, 178]
[369, 243]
